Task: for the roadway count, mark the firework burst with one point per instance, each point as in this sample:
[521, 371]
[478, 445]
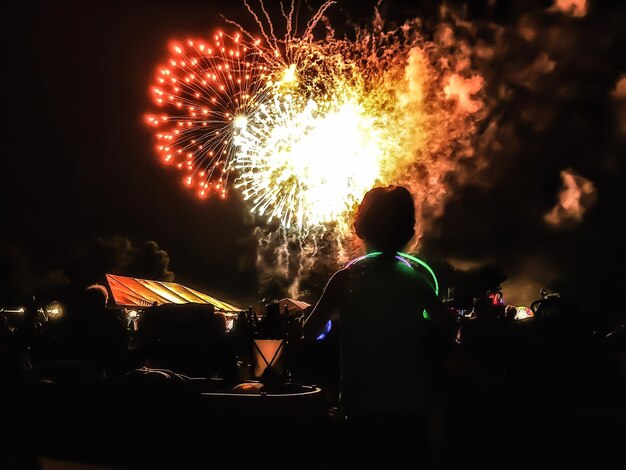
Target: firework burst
[304, 127]
[308, 167]
[204, 93]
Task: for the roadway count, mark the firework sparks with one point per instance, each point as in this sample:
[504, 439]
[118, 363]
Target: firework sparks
[205, 91]
[304, 127]
[307, 168]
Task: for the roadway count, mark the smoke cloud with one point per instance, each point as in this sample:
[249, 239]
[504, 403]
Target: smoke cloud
[576, 196]
[90, 261]
[463, 89]
[576, 8]
[554, 100]
[24, 274]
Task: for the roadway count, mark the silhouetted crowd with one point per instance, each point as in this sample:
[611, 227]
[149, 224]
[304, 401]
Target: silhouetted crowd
[535, 388]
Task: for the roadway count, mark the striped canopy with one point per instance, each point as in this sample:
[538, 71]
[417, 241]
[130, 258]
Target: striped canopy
[293, 305]
[133, 292]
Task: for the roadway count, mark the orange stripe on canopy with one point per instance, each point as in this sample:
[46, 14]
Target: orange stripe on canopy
[133, 292]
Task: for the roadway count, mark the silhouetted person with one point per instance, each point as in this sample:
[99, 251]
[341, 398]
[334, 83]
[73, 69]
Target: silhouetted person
[378, 303]
[250, 317]
[510, 312]
[242, 335]
[482, 324]
[241, 327]
[559, 351]
[94, 335]
[186, 338]
[271, 326]
[484, 337]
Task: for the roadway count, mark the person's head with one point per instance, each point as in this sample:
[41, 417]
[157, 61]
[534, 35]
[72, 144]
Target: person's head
[94, 298]
[385, 219]
[272, 310]
[510, 311]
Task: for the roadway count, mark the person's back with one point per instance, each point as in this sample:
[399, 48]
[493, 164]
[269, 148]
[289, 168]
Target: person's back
[95, 335]
[382, 339]
[272, 324]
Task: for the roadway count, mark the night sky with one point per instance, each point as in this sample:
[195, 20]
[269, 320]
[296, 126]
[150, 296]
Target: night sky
[78, 162]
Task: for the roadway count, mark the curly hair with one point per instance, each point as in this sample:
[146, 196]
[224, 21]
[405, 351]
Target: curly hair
[385, 219]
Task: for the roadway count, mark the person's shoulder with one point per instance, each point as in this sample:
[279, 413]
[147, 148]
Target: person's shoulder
[421, 280]
[337, 283]
[340, 273]
[340, 277]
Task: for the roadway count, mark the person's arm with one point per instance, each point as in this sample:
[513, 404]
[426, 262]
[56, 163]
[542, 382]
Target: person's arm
[326, 305]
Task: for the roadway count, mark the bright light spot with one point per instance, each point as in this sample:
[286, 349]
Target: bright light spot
[523, 313]
[54, 310]
[313, 167]
[289, 76]
[240, 122]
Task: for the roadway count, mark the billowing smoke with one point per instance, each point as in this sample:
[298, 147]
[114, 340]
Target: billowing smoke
[526, 279]
[296, 267]
[576, 196]
[447, 151]
[464, 89]
[90, 261]
[576, 8]
[554, 98]
[24, 274]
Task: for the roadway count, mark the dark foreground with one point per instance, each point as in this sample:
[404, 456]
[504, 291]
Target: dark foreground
[156, 420]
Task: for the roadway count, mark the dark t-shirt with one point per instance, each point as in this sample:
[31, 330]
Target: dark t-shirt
[382, 338]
